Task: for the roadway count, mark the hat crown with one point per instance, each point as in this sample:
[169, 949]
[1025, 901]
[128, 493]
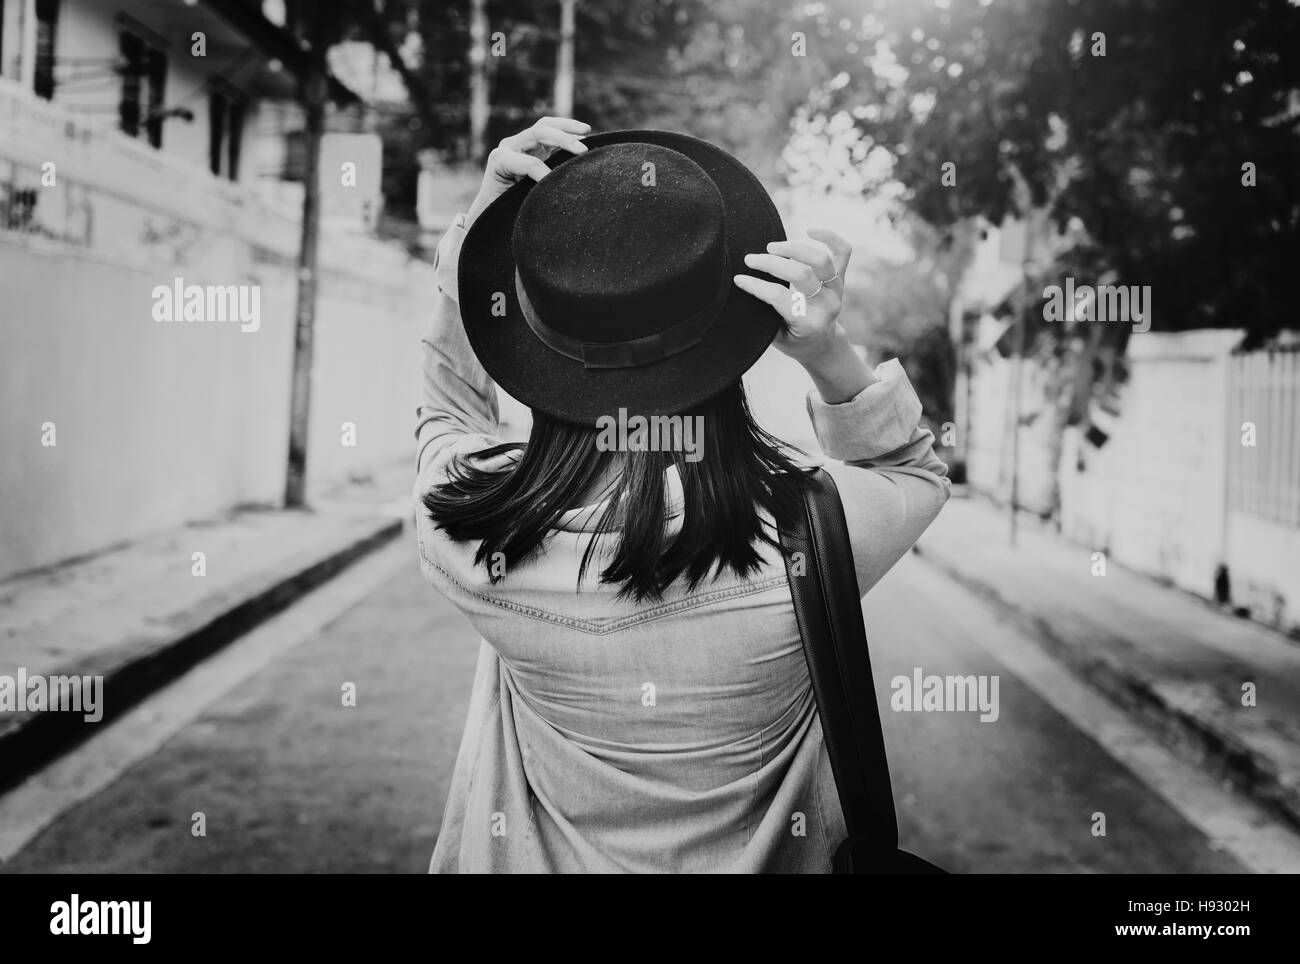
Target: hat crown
[621, 243]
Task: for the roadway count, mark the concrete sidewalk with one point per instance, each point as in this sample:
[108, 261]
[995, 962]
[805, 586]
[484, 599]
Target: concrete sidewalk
[141, 615]
[1177, 662]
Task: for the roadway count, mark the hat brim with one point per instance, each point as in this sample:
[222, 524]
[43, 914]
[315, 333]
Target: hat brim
[545, 380]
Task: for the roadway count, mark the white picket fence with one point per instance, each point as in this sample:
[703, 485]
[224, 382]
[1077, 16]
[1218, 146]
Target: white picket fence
[1264, 395]
[1263, 519]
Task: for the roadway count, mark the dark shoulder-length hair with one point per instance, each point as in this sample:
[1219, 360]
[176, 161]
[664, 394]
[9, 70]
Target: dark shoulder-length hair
[738, 470]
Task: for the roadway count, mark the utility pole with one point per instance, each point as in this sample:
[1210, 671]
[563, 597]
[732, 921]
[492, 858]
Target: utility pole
[1017, 375]
[313, 96]
[478, 86]
[564, 61]
[1018, 370]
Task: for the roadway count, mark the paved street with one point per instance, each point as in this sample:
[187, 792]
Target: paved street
[288, 778]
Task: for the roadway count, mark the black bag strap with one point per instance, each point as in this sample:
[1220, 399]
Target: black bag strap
[828, 609]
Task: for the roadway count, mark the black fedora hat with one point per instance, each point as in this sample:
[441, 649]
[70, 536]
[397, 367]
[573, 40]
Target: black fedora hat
[608, 284]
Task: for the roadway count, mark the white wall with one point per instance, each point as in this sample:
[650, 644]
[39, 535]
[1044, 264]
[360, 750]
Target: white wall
[161, 423]
[1155, 492]
[991, 460]
[1264, 562]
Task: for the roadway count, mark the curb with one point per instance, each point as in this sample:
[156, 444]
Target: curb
[1196, 738]
[141, 666]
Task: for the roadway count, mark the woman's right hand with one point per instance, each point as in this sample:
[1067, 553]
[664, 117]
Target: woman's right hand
[810, 307]
[524, 155]
[811, 304]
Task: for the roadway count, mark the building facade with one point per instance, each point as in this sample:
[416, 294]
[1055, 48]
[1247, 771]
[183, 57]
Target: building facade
[148, 148]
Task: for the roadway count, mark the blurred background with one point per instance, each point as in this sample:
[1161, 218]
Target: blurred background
[211, 519]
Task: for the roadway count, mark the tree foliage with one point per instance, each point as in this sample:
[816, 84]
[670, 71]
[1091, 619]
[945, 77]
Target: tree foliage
[1131, 121]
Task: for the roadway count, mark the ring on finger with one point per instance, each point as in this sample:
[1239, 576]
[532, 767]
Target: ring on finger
[822, 284]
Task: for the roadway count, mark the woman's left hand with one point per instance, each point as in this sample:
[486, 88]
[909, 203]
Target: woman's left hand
[811, 308]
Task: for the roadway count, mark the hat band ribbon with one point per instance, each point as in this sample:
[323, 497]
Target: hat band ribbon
[633, 353]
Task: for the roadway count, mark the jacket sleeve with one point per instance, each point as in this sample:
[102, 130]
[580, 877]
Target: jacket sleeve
[458, 410]
[890, 480]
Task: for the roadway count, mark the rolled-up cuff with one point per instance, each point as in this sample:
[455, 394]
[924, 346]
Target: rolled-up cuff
[446, 258]
[878, 420]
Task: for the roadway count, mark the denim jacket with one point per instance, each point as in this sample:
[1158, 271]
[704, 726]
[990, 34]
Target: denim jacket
[678, 735]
